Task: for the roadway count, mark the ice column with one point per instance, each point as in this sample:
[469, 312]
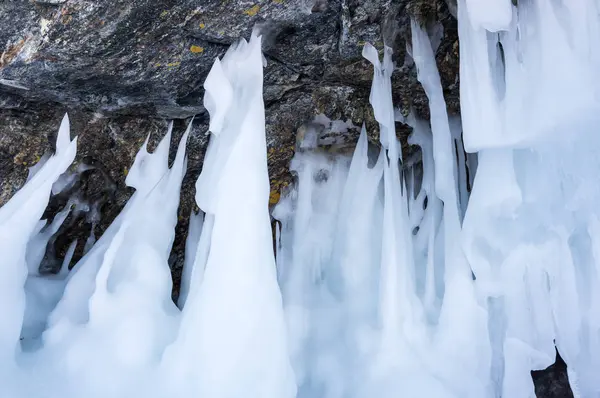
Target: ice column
[18, 221]
[461, 334]
[232, 340]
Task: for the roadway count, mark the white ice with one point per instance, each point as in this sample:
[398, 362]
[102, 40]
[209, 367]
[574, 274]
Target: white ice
[232, 340]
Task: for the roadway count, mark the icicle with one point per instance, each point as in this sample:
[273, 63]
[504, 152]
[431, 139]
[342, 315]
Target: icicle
[233, 325]
[151, 176]
[18, 219]
[399, 309]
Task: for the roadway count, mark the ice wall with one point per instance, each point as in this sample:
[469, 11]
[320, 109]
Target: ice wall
[529, 101]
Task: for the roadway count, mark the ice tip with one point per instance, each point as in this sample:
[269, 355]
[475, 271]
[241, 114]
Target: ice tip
[257, 32]
[63, 139]
[369, 52]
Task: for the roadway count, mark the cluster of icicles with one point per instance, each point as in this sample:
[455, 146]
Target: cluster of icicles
[388, 279]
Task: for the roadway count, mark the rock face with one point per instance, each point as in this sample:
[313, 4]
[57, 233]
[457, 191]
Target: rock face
[123, 68]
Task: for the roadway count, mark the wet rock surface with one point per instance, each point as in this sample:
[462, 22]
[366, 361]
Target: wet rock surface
[124, 68]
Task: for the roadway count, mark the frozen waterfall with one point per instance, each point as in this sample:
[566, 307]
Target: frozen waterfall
[451, 277]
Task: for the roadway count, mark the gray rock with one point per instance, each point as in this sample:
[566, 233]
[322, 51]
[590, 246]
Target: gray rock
[123, 67]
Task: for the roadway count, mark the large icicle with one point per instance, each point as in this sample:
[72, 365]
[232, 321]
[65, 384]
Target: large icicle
[232, 340]
[144, 175]
[462, 329]
[400, 310]
[18, 220]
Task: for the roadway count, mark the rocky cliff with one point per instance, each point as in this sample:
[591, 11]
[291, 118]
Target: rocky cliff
[123, 68]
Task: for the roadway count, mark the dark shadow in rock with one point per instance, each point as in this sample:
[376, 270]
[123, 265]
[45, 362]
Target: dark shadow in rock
[552, 382]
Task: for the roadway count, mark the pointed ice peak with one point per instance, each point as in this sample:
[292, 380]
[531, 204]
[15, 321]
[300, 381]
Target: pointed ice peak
[381, 96]
[36, 247]
[370, 53]
[180, 164]
[147, 169]
[63, 140]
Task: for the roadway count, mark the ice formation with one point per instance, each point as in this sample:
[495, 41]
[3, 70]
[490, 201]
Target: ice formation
[449, 276]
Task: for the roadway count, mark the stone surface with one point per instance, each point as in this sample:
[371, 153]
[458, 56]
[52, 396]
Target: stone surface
[122, 68]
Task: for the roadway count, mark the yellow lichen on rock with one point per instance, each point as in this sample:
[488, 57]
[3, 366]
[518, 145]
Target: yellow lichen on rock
[196, 49]
[252, 11]
[274, 198]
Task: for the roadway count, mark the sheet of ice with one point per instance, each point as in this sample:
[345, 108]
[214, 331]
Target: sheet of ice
[232, 339]
[504, 77]
[42, 293]
[491, 15]
[311, 282]
[191, 247]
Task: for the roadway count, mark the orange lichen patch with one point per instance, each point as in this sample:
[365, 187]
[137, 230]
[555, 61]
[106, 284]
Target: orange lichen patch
[11, 52]
[274, 198]
[277, 187]
[252, 11]
[196, 49]
[202, 26]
